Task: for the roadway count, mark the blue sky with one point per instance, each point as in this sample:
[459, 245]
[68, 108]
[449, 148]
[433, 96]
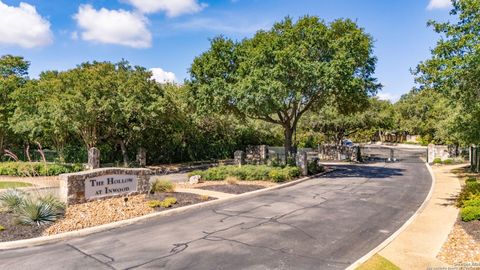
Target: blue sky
[166, 35]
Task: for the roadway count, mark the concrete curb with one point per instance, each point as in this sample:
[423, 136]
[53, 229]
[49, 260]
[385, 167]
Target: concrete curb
[392, 237]
[87, 231]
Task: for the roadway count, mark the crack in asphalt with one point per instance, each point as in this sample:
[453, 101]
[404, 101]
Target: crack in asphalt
[92, 257]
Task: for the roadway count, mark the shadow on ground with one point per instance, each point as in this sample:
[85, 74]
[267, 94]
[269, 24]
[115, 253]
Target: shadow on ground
[363, 171]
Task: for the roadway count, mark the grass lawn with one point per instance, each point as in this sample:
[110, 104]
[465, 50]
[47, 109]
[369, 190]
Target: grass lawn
[378, 262]
[4, 185]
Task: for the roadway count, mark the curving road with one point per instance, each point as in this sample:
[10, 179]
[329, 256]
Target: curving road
[323, 223]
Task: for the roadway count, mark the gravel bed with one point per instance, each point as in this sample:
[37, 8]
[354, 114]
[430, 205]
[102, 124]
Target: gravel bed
[463, 244]
[232, 189]
[92, 214]
[15, 231]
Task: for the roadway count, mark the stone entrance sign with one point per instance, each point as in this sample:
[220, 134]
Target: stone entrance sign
[103, 183]
[109, 185]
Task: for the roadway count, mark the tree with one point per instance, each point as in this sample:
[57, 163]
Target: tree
[279, 75]
[13, 74]
[424, 113]
[454, 68]
[335, 126]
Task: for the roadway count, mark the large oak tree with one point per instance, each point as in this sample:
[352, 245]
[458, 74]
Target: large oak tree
[280, 74]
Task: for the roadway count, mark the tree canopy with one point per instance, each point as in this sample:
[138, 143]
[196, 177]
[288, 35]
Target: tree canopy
[280, 74]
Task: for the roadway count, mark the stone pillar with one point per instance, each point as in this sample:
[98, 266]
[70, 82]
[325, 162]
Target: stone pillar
[239, 157]
[431, 153]
[142, 157]
[93, 158]
[302, 162]
[263, 153]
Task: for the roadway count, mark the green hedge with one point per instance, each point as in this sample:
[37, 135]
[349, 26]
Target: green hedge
[37, 168]
[249, 173]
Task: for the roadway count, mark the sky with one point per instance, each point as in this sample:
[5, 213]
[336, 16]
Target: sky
[166, 35]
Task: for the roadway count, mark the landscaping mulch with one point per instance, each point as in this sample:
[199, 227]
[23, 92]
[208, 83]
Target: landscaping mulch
[15, 231]
[232, 189]
[463, 244]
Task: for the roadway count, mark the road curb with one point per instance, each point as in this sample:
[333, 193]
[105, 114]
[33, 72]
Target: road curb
[392, 237]
[110, 226]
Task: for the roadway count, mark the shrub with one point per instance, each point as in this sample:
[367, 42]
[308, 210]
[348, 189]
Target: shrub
[470, 213]
[37, 168]
[12, 199]
[469, 191]
[437, 161]
[154, 203]
[249, 173]
[2, 228]
[471, 180]
[231, 180]
[204, 198]
[37, 211]
[166, 203]
[162, 185]
[448, 161]
[472, 202]
[315, 167]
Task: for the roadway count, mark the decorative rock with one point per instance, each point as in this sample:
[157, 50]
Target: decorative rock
[195, 179]
[93, 158]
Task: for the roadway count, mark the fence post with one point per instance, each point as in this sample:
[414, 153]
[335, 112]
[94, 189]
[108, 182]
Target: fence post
[302, 162]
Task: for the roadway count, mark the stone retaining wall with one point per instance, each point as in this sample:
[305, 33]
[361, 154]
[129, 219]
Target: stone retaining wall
[103, 183]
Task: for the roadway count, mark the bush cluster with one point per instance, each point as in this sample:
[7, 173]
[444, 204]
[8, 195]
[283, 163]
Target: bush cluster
[469, 200]
[315, 167]
[32, 210]
[166, 203]
[249, 173]
[37, 168]
[162, 185]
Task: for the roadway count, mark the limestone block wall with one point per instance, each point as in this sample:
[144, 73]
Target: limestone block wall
[103, 183]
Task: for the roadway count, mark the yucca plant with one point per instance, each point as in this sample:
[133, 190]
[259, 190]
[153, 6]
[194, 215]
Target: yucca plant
[36, 212]
[12, 199]
[53, 201]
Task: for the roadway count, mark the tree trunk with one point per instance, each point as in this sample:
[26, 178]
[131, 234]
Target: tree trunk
[288, 132]
[27, 152]
[124, 152]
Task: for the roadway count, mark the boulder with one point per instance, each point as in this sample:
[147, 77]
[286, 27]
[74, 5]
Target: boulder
[195, 179]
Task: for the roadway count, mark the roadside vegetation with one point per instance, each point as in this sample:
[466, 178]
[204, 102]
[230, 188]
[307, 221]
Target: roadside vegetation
[9, 184]
[378, 262]
[469, 200]
[249, 173]
[37, 168]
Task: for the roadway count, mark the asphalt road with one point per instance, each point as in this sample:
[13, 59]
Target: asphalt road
[323, 223]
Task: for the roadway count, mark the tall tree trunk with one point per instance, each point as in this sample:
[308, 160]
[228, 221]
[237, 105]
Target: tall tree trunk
[27, 151]
[124, 152]
[288, 132]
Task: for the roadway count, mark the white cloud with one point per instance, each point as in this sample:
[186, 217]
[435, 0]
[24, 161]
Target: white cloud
[388, 96]
[113, 27]
[436, 4]
[162, 76]
[23, 26]
[171, 7]
[223, 26]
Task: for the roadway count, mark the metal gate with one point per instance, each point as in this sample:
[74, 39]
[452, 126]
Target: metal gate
[393, 154]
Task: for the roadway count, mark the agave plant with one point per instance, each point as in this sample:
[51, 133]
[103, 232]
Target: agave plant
[37, 212]
[12, 199]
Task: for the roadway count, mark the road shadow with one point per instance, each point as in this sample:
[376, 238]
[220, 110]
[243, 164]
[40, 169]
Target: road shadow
[343, 171]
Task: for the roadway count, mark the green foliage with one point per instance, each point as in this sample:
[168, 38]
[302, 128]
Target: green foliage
[166, 203]
[453, 69]
[37, 168]
[448, 161]
[249, 173]
[469, 213]
[437, 161]
[162, 185]
[315, 167]
[471, 180]
[2, 228]
[12, 199]
[471, 190]
[280, 74]
[37, 212]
